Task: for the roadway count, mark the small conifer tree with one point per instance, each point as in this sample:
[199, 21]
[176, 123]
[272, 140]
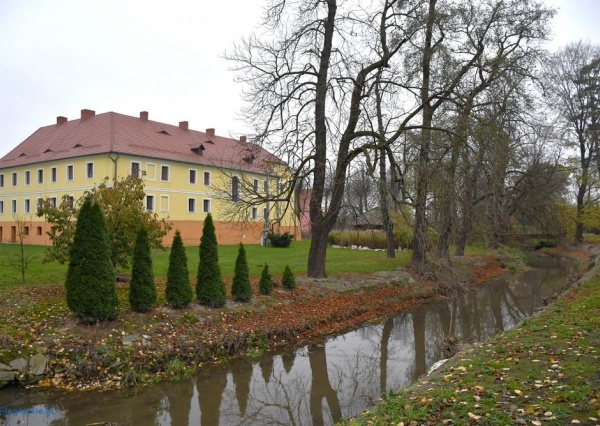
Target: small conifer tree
[266, 283]
[178, 291]
[287, 280]
[241, 290]
[142, 290]
[91, 279]
[210, 288]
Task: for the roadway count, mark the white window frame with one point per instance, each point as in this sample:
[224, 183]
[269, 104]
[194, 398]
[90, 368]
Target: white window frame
[1, 180]
[53, 174]
[139, 168]
[161, 198]
[255, 185]
[194, 208]
[14, 179]
[206, 202]
[254, 213]
[150, 176]
[13, 206]
[53, 201]
[206, 176]
[87, 170]
[1, 206]
[236, 185]
[163, 166]
[40, 176]
[27, 205]
[193, 172]
[27, 177]
[150, 197]
[71, 198]
[70, 167]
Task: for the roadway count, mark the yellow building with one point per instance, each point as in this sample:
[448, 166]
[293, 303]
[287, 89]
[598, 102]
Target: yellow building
[186, 173]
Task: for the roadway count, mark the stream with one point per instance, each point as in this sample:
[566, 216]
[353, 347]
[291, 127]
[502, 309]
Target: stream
[313, 385]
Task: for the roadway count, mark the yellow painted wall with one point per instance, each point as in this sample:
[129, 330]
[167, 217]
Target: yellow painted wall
[171, 196]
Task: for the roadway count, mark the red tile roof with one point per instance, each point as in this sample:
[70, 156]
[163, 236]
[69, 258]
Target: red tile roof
[123, 134]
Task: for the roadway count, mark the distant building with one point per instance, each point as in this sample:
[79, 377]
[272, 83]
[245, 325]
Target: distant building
[187, 174]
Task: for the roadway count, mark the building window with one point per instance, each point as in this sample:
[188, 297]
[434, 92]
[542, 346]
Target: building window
[53, 175]
[191, 205]
[26, 230]
[164, 203]
[70, 172]
[89, 170]
[235, 189]
[206, 178]
[27, 177]
[14, 179]
[1, 181]
[254, 213]
[150, 171]
[13, 206]
[27, 205]
[40, 179]
[164, 173]
[266, 187]
[255, 185]
[150, 203]
[135, 169]
[39, 230]
[206, 206]
[40, 205]
[192, 177]
[70, 201]
[1, 206]
[52, 201]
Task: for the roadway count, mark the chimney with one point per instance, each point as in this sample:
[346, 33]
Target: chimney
[210, 132]
[61, 120]
[87, 113]
[183, 125]
[144, 115]
[243, 139]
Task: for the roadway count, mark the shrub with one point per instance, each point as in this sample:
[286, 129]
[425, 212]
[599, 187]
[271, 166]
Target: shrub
[210, 288]
[142, 290]
[91, 279]
[287, 280]
[178, 291]
[266, 283]
[241, 290]
[280, 240]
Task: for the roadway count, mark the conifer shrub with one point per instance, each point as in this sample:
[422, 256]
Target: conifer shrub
[142, 290]
[265, 284]
[210, 288]
[287, 279]
[179, 291]
[241, 290]
[91, 278]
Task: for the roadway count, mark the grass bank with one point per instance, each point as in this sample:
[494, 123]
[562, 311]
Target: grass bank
[338, 261]
[545, 372]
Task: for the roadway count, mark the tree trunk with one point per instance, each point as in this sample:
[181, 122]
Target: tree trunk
[317, 252]
[419, 253]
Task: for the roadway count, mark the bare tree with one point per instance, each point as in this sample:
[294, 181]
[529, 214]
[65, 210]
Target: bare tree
[571, 78]
[21, 260]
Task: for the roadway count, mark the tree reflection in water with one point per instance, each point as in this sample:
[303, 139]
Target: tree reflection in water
[313, 385]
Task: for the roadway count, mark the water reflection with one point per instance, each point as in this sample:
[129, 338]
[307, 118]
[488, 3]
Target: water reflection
[313, 385]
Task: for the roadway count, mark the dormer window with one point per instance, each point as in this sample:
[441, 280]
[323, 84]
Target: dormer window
[250, 159]
[199, 149]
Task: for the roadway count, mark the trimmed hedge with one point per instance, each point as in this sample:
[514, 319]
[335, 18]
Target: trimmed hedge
[179, 291]
[210, 288]
[142, 290]
[241, 290]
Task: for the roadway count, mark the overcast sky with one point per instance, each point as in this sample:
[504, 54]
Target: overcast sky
[58, 57]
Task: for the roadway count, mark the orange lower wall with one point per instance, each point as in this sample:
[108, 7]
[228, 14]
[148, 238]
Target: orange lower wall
[191, 231]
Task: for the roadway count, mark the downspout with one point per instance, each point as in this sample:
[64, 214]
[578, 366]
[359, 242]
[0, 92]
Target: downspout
[114, 156]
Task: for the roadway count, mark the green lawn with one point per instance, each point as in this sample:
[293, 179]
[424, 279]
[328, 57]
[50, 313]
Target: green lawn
[338, 261]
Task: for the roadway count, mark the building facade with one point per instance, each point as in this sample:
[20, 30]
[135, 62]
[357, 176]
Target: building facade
[187, 174]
